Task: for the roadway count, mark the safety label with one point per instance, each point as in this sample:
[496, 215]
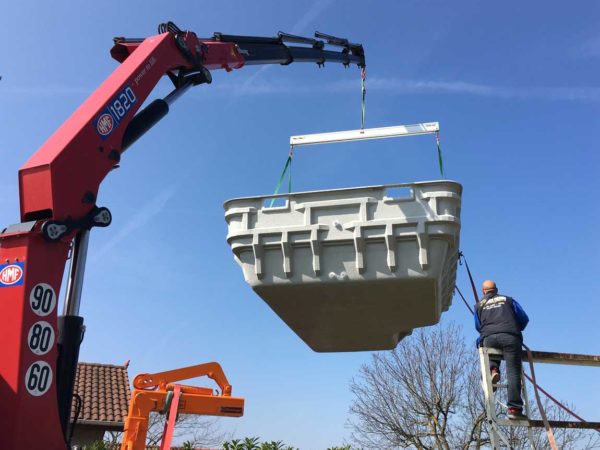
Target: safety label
[12, 274]
[38, 378]
[42, 299]
[40, 338]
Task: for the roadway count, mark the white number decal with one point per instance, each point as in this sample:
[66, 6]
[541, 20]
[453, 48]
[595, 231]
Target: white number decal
[124, 100]
[117, 109]
[42, 299]
[38, 378]
[40, 338]
[130, 94]
[121, 106]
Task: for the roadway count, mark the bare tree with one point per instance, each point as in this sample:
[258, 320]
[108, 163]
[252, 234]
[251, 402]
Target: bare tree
[426, 394]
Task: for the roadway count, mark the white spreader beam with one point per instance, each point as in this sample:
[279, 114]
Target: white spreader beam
[364, 134]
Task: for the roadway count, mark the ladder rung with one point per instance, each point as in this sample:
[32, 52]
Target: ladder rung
[513, 423]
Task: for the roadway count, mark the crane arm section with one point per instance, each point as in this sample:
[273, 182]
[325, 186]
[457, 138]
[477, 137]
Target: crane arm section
[212, 370]
[62, 178]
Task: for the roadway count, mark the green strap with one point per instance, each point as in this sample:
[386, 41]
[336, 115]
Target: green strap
[290, 157]
[363, 77]
[439, 150]
[288, 165]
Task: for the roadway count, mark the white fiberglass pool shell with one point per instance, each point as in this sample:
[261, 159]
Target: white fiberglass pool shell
[351, 269]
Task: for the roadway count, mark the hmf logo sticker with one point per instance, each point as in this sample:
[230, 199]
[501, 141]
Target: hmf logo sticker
[111, 116]
[12, 274]
[105, 124]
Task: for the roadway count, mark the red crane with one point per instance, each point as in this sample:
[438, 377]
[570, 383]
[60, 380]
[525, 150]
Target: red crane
[58, 199]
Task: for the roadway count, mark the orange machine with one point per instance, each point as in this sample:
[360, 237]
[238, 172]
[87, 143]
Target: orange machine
[156, 392]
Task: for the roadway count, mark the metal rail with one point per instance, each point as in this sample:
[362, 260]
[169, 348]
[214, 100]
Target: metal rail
[574, 359]
[553, 424]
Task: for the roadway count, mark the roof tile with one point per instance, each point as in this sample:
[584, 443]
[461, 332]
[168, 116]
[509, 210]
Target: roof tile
[104, 390]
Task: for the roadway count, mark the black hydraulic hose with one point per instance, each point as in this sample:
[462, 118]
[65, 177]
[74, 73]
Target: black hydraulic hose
[78, 406]
[462, 256]
[70, 335]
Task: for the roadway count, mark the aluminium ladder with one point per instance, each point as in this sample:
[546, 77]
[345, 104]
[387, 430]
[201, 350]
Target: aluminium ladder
[494, 422]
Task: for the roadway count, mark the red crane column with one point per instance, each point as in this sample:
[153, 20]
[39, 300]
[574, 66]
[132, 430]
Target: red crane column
[60, 182]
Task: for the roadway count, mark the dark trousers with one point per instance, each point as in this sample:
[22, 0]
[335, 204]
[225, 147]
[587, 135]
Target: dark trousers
[511, 347]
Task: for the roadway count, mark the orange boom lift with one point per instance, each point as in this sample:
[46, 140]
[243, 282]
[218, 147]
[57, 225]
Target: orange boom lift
[156, 392]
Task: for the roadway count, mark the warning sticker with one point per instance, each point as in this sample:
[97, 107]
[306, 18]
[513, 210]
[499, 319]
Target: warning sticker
[38, 378]
[12, 274]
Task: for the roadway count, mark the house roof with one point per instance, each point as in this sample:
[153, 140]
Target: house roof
[104, 391]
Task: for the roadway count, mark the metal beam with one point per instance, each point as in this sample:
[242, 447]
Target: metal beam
[553, 424]
[565, 358]
[573, 359]
[364, 134]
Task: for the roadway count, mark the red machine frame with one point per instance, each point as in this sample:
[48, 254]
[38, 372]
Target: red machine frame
[58, 191]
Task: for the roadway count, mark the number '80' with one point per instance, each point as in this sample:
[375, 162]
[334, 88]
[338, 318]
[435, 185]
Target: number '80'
[40, 338]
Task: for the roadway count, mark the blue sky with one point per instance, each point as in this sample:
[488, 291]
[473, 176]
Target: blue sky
[514, 86]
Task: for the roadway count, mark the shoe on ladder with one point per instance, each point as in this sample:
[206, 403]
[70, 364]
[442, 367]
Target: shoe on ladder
[516, 414]
[495, 377]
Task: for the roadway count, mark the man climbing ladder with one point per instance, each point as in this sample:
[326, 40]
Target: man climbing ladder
[500, 320]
